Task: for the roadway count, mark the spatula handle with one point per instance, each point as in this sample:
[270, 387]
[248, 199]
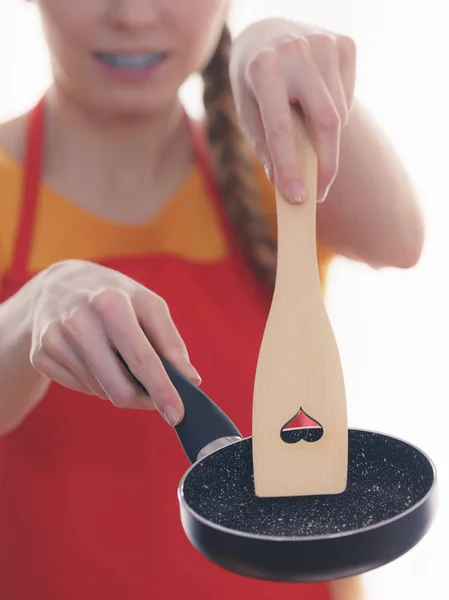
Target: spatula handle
[299, 365]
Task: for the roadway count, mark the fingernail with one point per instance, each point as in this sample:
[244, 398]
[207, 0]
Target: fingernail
[322, 194]
[170, 414]
[268, 172]
[296, 192]
[192, 373]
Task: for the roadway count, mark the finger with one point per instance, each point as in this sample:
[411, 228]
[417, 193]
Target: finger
[122, 328]
[347, 52]
[49, 367]
[85, 333]
[252, 124]
[268, 86]
[54, 344]
[326, 55]
[153, 315]
[309, 89]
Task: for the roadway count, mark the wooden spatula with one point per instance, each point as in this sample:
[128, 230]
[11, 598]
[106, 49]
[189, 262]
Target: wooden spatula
[299, 365]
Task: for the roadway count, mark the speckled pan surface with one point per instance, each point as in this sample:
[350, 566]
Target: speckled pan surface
[387, 477]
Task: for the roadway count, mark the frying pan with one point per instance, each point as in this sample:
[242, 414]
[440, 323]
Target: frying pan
[386, 509]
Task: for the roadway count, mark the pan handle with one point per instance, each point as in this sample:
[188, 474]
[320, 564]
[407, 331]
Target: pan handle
[204, 423]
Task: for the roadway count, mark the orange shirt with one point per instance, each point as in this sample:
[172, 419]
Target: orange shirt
[187, 225]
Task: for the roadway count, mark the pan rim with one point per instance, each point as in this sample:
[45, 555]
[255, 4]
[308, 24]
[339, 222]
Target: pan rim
[310, 538]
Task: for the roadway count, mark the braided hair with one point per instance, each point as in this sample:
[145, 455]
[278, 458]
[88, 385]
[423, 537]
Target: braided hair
[233, 165]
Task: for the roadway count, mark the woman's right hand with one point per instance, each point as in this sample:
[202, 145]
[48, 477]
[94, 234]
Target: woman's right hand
[83, 313]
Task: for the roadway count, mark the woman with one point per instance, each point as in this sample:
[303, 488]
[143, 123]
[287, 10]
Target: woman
[120, 230]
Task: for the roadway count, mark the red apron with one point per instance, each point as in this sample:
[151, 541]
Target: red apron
[88, 504]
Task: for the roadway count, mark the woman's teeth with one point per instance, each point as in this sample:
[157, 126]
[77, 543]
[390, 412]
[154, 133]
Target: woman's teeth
[130, 61]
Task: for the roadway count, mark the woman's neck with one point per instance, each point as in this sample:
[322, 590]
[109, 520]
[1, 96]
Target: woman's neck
[115, 167]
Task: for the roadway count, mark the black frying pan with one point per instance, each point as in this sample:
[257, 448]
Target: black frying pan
[386, 509]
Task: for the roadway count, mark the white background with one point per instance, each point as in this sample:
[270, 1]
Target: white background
[392, 326]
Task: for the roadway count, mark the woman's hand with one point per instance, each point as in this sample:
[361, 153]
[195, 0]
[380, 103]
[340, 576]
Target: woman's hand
[83, 313]
[276, 62]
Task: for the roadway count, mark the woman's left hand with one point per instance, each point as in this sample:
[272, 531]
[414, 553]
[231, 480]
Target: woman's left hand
[275, 63]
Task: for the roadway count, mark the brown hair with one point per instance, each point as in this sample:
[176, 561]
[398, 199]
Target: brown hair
[234, 166]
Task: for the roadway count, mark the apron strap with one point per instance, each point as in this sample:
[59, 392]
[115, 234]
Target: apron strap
[30, 190]
[202, 154]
